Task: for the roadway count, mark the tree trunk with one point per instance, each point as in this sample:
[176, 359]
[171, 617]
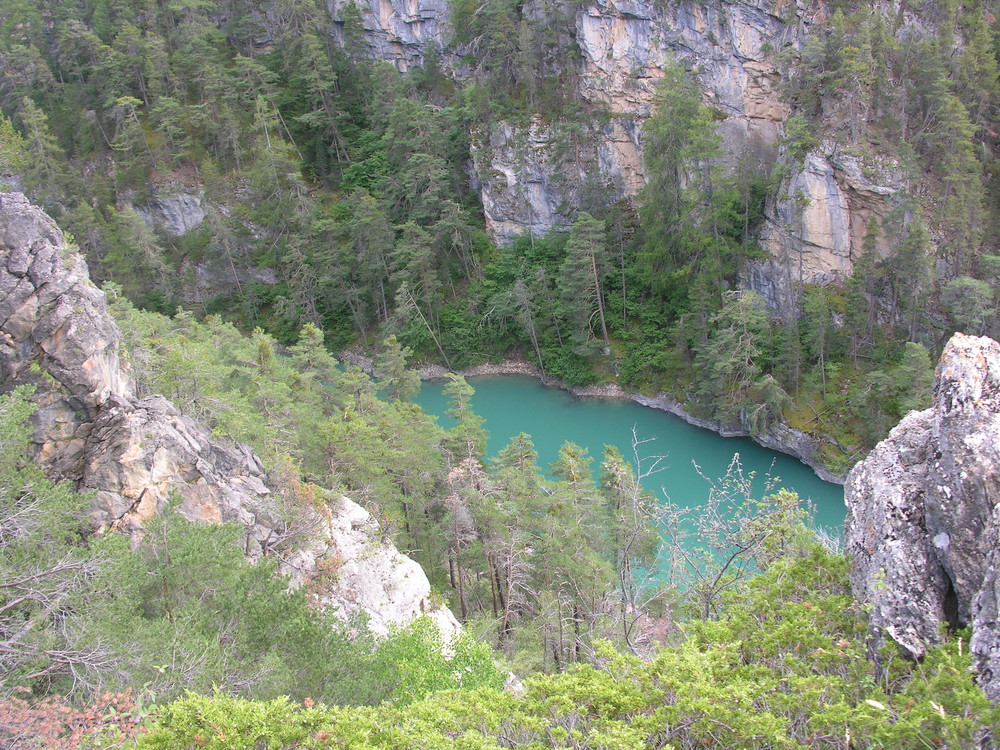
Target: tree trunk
[600, 301]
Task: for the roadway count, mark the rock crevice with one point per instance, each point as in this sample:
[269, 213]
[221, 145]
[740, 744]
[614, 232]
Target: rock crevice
[923, 521]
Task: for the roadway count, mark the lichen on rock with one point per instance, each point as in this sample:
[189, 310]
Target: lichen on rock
[923, 521]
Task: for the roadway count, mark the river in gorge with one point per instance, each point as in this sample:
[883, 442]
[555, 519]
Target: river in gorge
[512, 404]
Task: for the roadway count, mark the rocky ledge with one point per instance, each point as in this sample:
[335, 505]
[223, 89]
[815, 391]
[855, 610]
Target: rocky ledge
[923, 521]
[135, 454]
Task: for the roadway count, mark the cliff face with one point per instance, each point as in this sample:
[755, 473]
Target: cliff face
[398, 31]
[815, 229]
[56, 334]
[530, 179]
[923, 523]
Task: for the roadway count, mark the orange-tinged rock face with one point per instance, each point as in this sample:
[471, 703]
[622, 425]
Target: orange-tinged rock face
[145, 509]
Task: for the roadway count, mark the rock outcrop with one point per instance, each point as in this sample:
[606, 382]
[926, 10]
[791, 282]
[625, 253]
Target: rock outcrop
[176, 213]
[815, 230]
[135, 454]
[923, 522]
[398, 31]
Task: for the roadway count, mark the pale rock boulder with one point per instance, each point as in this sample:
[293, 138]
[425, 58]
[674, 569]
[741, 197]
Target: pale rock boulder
[175, 212]
[526, 184]
[807, 236]
[622, 57]
[355, 573]
[135, 455]
[923, 521]
[140, 453]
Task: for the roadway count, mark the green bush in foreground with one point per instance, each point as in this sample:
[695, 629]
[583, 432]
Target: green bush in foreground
[783, 667]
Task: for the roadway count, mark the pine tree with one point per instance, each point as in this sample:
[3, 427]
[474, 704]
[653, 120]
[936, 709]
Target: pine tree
[969, 302]
[137, 261]
[736, 353]
[978, 76]
[467, 439]
[581, 283]
[13, 157]
[863, 288]
[913, 379]
[46, 176]
[507, 528]
[855, 79]
[371, 240]
[574, 560]
[911, 277]
[395, 380]
[817, 317]
[134, 157]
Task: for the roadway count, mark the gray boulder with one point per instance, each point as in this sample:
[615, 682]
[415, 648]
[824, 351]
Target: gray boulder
[923, 522]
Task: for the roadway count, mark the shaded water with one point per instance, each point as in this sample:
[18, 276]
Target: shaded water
[511, 404]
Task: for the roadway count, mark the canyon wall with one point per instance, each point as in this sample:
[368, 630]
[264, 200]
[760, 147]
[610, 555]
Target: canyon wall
[531, 180]
[136, 455]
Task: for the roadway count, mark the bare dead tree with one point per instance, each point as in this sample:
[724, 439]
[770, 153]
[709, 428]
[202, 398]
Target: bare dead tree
[638, 515]
[719, 545]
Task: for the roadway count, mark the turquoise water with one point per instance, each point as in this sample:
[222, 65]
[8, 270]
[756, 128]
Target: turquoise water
[512, 404]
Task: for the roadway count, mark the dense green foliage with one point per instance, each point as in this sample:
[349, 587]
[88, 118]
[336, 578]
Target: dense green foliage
[336, 193]
[338, 212]
[783, 666]
[555, 567]
[705, 652]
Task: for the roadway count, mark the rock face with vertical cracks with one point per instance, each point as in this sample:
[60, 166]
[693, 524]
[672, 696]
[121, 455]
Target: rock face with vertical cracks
[536, 174]
[815, 229]
[134, 454]
[923, 522]
[533, 176]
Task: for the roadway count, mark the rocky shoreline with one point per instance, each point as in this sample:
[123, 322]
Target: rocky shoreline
[777, 437]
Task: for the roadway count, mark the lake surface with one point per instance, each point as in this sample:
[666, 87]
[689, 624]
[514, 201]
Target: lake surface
[512, 404]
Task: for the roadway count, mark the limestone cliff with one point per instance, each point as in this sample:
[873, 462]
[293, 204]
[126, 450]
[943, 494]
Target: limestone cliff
[815, 228]
[615, 50]
[528, 179]
[923, 522]
[134, 453]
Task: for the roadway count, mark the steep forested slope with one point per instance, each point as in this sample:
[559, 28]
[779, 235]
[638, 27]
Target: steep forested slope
[259, 159]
